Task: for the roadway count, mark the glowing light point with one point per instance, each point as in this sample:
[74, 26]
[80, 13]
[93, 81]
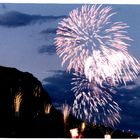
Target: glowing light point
[74, 133]
[107, 136]
[83, 126]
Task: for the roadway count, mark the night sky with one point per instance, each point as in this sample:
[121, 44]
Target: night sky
[27, 33]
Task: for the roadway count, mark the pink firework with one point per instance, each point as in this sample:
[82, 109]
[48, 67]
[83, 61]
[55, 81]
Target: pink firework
[86, 30]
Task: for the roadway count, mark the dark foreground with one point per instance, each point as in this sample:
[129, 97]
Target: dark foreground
[31, 120]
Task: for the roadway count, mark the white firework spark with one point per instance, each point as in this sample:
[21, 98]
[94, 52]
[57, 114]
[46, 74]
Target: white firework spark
[118, 66]
[94, 103]
[85, 31]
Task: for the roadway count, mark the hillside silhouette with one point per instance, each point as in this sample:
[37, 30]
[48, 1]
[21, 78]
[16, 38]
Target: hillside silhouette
[26, 111]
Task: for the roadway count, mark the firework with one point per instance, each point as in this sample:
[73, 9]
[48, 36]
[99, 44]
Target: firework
[112, 66]
[17, 101]
[94, 103]
[37, 91]
[83, 126]
[47, 108]
[97, 50]
[85, 31]
[66, 111]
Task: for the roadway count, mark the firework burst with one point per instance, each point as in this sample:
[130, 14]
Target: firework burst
[94, 103]
[85, 31]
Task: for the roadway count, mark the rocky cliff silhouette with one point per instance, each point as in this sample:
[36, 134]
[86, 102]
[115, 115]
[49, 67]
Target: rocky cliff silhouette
[26, 111]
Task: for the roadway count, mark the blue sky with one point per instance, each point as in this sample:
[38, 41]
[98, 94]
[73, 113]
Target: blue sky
[26, 43]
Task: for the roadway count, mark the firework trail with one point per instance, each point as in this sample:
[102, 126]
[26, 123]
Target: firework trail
[17, 101]
[85, 31]
[66, 112]
[47, 108]
[83, 126]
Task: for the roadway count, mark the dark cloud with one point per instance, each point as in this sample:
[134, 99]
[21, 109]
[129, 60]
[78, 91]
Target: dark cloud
[48, 31]
[16, 19]
[49, 35]
[129, 101]
[48, 49]
[59, 87]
